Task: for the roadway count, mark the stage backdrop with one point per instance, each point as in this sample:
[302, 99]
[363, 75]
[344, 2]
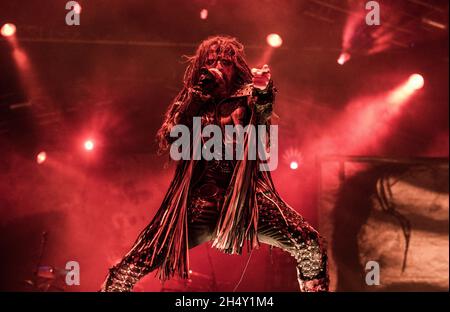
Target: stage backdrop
[393, 212]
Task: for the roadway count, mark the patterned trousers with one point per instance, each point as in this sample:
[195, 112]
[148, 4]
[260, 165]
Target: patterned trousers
[278, 225]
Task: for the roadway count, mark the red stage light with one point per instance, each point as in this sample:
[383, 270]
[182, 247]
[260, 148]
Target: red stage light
[41, 157]
[416, 82]
[204, 14]
[406, 90]
[274, 40]
[293, 158]
[343, 58]
[89, 145]
[8, 30]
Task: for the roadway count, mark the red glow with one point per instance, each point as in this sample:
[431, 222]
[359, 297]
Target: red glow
[41, 157]
[351, 25]
[8, 30]
[370, 118]
[381, 36]
[274, 40]
[89, 145]
[204, 14]
[293, 165]
[22, 61]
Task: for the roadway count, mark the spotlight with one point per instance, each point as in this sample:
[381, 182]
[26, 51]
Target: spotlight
[89, 145]
[406, 90]
[293, 158]
[343, 58]
[41, 157]
[293, 165]
[8, 30]
[415, 82]
[274, 40]
[204, 14]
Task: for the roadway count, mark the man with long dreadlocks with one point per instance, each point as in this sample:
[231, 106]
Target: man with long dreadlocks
[228, 202]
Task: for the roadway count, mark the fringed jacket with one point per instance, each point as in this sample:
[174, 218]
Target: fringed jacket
[238, 222]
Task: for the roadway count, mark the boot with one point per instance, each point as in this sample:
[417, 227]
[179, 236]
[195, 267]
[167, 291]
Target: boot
[314, 285]
[122, 278]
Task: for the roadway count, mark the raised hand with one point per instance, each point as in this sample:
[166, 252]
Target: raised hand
[261, 77]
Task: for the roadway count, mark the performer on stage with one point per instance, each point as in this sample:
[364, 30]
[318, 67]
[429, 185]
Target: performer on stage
[229, 202]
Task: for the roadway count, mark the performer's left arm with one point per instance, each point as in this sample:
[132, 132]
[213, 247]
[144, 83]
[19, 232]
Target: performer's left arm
[264, 91]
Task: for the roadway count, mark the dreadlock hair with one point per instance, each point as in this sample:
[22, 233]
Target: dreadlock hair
[242, 76]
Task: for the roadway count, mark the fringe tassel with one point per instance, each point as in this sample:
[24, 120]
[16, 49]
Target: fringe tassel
[170, 240]
[238, 223]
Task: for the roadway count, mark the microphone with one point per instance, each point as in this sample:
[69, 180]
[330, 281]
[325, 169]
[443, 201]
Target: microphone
[206, 77]
[209, 78]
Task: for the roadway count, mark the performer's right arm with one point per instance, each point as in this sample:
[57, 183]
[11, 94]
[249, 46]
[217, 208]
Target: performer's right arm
[191, 107]
[184, 111]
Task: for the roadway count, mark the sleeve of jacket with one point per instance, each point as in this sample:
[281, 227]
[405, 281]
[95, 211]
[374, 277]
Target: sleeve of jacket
[183, 112]
[264, 102]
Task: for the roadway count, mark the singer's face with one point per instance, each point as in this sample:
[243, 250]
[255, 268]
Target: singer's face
[221, 61]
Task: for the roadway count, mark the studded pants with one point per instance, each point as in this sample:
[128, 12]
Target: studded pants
[280, 227]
